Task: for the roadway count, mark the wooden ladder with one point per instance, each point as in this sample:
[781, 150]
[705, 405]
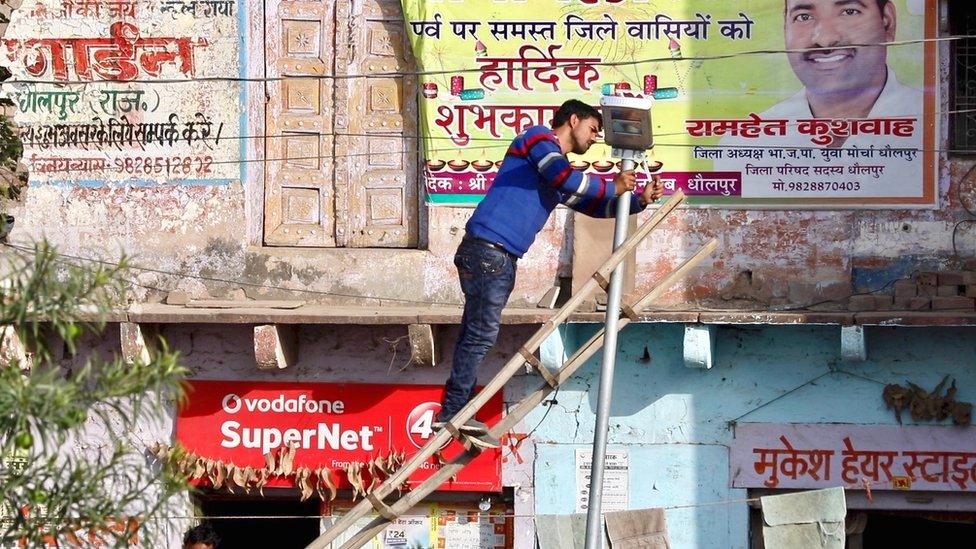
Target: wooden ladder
[388, 512]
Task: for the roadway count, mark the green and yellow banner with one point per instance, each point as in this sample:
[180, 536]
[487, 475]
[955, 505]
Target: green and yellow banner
[758, 103]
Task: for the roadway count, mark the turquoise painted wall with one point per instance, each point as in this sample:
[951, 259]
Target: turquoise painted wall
[674, 421]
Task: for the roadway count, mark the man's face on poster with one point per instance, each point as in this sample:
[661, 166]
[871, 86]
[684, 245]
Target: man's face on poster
[838, 25]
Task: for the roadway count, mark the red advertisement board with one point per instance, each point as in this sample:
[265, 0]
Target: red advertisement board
[332, 424]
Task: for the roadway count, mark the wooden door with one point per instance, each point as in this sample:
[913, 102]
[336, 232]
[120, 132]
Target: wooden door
[376, 129]
[300, 175]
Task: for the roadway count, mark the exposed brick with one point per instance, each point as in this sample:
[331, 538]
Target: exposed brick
[237, 294]
[801, 292]
[911, 303]
[837, 291]
[970, 265]
[861, 303]
[951, 278]
[927, 279]
[969, 277]
[905, 288]
[920, 304]
[927, 290]
[177, 297]
[971, 290]
[882, 302]
[947, 291]
[954, 302]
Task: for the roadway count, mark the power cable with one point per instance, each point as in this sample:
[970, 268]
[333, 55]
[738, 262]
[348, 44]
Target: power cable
[397, 74]
[25, 127]
[417, 151]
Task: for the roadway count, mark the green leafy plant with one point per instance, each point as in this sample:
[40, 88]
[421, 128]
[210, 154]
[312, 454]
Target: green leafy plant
[68, 406]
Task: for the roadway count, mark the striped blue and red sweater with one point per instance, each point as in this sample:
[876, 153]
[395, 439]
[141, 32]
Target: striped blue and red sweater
[534, 178]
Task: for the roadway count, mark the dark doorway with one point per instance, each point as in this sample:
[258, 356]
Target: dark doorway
[895, 530]
[255, 531]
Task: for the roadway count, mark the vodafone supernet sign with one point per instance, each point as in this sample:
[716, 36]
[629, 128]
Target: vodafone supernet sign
[331, 424]
[321, 437]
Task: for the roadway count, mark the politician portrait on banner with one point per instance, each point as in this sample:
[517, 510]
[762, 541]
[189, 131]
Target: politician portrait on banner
[853, 129]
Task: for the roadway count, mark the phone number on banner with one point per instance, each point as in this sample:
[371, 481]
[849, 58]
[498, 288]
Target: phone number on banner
[816, 186]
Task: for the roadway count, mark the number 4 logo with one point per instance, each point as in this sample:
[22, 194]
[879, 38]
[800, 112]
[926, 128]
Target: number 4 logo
[420, 422]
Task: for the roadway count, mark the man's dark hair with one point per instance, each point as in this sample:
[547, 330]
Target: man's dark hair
[579, 108]
[201, 533]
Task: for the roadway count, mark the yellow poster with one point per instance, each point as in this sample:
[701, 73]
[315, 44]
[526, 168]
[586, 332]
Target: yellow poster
[757, 103]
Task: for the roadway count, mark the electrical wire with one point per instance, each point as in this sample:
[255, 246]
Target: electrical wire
[499, 146]
[23, 128]
[416, 73]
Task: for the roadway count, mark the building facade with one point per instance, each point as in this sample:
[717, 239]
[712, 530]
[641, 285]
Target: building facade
[262, 163]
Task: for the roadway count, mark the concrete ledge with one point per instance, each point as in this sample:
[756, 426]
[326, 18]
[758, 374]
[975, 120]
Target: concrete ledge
[331, 314]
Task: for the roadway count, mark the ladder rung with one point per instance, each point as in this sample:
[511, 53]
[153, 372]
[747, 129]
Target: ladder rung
[601, 281]
[629, 312]
[381, 508]
[451, 428]
[531, 359]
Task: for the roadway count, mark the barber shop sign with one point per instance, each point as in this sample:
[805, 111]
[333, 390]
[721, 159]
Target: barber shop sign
[329, 425]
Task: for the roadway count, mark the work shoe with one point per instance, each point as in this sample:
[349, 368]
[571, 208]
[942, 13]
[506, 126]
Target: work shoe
[470, 427]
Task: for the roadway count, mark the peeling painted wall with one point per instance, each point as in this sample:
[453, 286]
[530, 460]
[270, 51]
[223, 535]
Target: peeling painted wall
[766, 259]
[674, 421]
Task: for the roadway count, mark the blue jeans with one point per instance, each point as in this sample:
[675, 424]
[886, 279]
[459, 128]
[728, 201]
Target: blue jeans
[487, 278]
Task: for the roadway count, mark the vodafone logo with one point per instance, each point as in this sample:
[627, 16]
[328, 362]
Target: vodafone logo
[231, 403]
[302, 404]
[420, 423]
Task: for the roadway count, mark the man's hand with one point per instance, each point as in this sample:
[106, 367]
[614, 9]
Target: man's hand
[624, 181]
[652, 191]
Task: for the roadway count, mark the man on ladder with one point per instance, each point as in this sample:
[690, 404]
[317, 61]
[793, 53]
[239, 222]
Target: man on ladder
[534, 178]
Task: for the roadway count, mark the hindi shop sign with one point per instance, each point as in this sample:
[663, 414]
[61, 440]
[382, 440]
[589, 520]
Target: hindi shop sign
[733, 128]
[885, 457]
[332, 424]
[128, 91]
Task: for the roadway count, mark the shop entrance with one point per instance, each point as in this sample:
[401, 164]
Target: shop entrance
[874, 528]
[252, 530]
[887, 529]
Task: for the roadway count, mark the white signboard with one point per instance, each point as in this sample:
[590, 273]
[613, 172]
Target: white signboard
[616, 480]
[885, 457]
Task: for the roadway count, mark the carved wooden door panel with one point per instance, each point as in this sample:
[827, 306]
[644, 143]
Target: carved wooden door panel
[299, 208]
[376, 127]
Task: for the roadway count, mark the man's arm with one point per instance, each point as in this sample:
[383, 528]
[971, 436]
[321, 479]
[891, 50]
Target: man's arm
[604, 207]
[607, 206]
[540, 148]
